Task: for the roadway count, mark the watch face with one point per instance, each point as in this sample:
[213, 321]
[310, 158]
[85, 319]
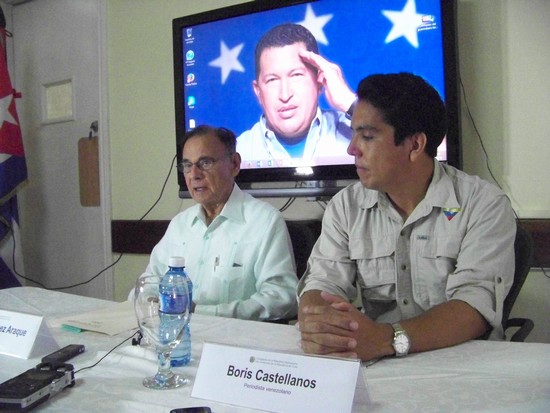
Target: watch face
[401, 344]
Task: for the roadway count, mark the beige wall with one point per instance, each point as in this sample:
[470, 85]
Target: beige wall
[503, 57]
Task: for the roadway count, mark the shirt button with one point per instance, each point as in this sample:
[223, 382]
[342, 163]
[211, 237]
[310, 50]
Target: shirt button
[405, 301]
[403, 267]
[499, 280]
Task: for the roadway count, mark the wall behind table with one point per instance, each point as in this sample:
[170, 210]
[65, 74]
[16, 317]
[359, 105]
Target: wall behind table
[503, 63]
[503, 55]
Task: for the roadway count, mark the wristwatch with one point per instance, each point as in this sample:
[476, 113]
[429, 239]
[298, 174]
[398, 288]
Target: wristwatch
[401, 341]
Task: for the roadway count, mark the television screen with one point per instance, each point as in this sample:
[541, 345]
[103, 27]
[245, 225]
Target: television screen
[240, 67]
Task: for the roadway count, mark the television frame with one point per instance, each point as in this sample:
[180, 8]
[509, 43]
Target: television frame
[325, 180]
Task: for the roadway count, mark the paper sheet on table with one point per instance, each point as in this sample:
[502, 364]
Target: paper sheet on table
[112, 320]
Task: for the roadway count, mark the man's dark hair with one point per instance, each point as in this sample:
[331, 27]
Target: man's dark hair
[409, 104]
[285, 35]
[225, 136]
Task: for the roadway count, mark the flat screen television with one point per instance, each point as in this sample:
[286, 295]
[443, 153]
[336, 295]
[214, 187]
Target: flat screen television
[214, 71]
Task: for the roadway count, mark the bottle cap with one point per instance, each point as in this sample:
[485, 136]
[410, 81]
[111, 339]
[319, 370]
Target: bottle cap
[176, 262]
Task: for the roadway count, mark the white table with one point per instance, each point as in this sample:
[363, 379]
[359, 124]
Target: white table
[475, 376]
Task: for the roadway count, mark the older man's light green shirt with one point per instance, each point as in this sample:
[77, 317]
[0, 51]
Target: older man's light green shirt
[241, 264]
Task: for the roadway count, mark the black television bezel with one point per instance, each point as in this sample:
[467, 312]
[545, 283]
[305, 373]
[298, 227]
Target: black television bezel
[323, 179]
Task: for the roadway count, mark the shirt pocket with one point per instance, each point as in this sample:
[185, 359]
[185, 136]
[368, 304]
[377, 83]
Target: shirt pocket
[374, 258]
[227, 284]
[436, 261]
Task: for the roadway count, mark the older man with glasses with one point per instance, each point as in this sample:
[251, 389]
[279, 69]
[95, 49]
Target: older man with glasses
[237, 248]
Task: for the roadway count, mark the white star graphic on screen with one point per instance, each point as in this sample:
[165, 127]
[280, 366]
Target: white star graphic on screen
[405, 23]
[228, 60]
[315, 24]
[5, 115]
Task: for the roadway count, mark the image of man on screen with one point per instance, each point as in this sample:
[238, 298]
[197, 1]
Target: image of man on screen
[290, 77]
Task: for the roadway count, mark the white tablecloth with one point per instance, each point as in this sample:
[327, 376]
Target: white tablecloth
[472, 377]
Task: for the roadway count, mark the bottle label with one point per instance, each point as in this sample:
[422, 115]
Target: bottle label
[173, 304]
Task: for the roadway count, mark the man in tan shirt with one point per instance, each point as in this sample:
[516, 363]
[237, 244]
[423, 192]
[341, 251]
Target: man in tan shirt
[429, 248]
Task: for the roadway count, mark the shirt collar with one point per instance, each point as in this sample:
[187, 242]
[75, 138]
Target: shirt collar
[441, 194]
[232, 210]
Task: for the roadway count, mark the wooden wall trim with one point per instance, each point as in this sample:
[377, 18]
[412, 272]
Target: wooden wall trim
[139, 237]
[136, 237]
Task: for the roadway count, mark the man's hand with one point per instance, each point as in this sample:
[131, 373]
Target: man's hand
[337, 91]
[325, 329]
[332, 326]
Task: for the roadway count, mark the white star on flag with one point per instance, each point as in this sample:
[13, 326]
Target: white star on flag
[405, 23]
[5, 115]
[228, 60]
[315, 24]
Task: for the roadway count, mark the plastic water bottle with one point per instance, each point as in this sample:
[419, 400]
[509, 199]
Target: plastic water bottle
[171, 305]
[181, 354]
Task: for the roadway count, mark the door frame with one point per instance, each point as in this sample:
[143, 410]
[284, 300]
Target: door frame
[104, 156]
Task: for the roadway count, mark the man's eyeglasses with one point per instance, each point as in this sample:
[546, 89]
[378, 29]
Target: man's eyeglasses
[204, 164]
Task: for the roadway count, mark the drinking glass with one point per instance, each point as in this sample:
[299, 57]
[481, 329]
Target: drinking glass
[163, 329]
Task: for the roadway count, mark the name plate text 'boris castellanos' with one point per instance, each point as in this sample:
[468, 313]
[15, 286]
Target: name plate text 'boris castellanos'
[276, 381]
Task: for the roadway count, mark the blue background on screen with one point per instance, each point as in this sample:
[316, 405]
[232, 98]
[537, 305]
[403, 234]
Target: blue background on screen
[356, 36]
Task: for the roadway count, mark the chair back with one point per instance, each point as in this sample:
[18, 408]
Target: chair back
[523, 248]
[303, 234]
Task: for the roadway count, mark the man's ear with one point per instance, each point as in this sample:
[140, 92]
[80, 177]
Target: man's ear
[418, 145]
[256, 89]
[319, 79]
[236, 163]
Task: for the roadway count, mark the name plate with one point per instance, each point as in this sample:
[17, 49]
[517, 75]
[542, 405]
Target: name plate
[24, 335]
[275, 381]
